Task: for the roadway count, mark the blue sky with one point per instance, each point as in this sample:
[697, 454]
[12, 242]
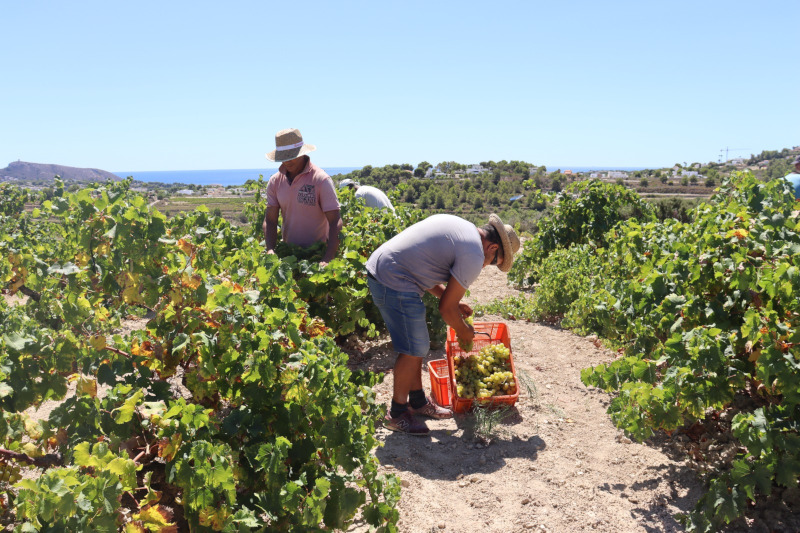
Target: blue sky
[205, 85]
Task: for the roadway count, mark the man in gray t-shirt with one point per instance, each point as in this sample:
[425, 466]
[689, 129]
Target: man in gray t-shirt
[443, 255]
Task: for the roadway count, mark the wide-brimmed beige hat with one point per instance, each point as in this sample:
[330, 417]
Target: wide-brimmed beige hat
[510, 241]
[289, 145]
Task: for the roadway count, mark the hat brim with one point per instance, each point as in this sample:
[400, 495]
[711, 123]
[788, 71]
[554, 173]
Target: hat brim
[288, 155]
[508, 251]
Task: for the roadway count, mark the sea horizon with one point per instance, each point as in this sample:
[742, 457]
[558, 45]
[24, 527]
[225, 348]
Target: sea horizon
[238, 176]
[226, 177]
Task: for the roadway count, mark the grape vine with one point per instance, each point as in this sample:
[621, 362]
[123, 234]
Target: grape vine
[231, 409]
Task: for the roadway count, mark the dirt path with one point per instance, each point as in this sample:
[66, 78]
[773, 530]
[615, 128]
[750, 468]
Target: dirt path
[558, 465]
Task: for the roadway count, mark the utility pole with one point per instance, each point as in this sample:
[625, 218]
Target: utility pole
[726, 150]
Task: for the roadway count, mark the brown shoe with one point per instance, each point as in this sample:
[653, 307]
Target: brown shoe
[431, 410]
[405, 423]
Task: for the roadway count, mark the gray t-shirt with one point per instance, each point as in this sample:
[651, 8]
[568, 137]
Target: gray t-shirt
[374, 197]
[429, 253]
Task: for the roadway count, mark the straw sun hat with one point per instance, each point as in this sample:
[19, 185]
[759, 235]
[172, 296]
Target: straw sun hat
[289, 145]
[510, 241]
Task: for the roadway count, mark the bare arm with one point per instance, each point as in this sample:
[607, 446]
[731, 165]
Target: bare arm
[270, 227]
[452, 309]
[334, 227]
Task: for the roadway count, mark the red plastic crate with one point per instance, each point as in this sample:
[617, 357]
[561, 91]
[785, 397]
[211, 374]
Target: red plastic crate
[485, 333]
[440, 381]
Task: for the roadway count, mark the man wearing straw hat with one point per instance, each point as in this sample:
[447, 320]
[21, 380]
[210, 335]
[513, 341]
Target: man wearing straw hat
[305, 197]
[443, 255]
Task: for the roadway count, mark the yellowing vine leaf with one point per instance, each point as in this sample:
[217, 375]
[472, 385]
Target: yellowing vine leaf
[215, 518]
[87, 386]
[156, 518]
[186, 247]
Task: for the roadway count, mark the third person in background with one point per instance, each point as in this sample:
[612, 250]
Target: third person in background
[794, 177]
[372, 196]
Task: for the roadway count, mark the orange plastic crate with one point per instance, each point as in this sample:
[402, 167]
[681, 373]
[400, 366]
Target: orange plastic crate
[440, 381]
[485, 333]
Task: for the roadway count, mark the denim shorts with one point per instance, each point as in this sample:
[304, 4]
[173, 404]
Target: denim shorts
[404, 315]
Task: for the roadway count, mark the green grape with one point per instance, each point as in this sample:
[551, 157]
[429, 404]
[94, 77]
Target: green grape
[9, 472]
[485, 374]
[467, 346]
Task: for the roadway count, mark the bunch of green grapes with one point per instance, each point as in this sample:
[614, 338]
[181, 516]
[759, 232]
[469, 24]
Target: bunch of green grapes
[486, 374]
[9, 472]
[466, 346]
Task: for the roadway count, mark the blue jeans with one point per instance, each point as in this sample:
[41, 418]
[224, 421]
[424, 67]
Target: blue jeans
[404, 315]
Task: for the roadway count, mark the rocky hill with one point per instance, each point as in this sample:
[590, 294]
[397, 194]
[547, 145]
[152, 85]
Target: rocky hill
[38, 172]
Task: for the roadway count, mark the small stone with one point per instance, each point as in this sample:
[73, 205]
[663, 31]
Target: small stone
[473, 479]
[529, 525]
[405, 483]
[525, 501]
[442, 525]
[462, 484]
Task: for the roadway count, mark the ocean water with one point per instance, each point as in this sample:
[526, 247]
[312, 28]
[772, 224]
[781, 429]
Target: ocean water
[235, 176]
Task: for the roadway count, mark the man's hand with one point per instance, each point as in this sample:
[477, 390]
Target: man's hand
[466, 310]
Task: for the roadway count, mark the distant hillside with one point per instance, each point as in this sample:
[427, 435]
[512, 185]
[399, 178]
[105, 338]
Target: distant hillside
[22, 171]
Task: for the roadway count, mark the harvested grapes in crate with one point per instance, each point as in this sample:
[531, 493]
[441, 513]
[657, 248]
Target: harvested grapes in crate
[486, 374]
